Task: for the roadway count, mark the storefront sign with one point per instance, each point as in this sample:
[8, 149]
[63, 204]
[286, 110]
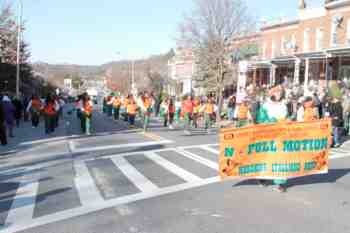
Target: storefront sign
[282, 150]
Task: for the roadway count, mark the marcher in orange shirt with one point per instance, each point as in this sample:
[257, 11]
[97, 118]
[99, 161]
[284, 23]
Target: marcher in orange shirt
[187, 108]
[131, 111]
[86, 111]
[209, 113]
[146, 110]
[117, 102]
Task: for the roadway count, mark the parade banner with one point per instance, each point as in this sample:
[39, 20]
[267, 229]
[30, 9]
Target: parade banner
[281, 150]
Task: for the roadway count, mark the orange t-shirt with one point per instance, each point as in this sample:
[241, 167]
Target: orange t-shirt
[243, 112]
[209, 108]
[188, 106]
[117, 102]
[131, 109]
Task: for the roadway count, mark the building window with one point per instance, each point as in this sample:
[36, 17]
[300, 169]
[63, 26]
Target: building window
[319, 38]
[283, 45]
[264, 50]
[348, 33]
[306, 40]
[273, 48]
[334, 32]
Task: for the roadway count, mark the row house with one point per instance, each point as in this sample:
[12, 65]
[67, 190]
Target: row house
[315, 46]
[181, 70]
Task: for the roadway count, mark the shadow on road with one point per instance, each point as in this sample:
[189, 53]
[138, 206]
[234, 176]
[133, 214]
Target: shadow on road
[332, 176]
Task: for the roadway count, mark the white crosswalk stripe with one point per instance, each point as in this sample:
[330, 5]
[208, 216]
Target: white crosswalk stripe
[22, 208]
[88, 192]
[134, 175]
[189, 177]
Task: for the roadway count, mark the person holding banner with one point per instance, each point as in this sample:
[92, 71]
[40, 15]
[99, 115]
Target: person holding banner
[274, 111]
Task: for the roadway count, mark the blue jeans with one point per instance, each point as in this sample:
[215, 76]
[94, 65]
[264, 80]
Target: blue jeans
[231, 112]
[335, 135]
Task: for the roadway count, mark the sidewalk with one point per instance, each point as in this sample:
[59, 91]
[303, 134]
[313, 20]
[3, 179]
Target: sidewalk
[31, 145]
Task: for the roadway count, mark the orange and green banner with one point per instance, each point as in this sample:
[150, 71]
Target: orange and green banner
[282, 150]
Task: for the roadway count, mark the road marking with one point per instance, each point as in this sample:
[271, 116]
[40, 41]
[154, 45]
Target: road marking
[197, 158]
[71, 146]
[180, 172]
[110, 147]
[139, 180]
[67, 214]
[152, 136]
[338, 156]
[210, 149]
[44, 141]
[23, 204]
[87, 190]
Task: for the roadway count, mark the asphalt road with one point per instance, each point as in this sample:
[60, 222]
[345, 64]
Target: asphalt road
[162, 181]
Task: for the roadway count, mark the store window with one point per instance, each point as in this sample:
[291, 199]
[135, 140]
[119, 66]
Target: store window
[283, 45]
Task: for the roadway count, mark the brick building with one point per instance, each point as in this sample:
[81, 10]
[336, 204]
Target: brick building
[315, 46]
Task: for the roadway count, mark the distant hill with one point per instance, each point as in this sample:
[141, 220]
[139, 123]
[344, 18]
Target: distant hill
[116, 72]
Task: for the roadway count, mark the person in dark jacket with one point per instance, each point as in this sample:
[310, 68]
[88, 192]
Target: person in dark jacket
[9, 112]
[3, 137]
[336, 113]
[19, 109]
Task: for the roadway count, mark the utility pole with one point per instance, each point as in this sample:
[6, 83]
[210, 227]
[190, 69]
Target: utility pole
[19, 38]
[133, 89]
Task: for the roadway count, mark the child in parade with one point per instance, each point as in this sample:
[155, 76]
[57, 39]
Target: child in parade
[178, 106]
[187, 108]
[172, 110]
[131, 111]
[209, 113]
[50, 111]
[273, 111]
[34, 107]
[125, 107]
[242, 114]
[165, 112]
[86, 110]
[116, 107]
[146, 109]
[196, 112]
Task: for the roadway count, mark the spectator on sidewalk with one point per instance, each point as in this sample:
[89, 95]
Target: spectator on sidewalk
[3, 136]
[231, 106]
[9, 111]
[18, 110]
[336, 113]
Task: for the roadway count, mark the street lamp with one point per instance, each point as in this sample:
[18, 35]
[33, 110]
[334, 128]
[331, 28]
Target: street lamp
[19, 37]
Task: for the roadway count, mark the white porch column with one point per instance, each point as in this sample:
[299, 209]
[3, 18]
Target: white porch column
[297, 71]
[273, 74]
[306, 78]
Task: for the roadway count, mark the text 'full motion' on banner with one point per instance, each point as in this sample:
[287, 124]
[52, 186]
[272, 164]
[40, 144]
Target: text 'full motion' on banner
[282, 150]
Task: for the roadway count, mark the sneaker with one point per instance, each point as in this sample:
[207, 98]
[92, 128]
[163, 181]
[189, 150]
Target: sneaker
[262, 183]
[280, 189]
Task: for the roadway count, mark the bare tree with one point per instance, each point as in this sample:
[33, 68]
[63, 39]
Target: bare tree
[209, 31]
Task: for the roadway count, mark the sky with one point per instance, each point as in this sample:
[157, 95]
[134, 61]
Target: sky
[93, 32]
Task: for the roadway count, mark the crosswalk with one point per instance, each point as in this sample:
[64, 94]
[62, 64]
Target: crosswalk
[113, 180]
[110, 181]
